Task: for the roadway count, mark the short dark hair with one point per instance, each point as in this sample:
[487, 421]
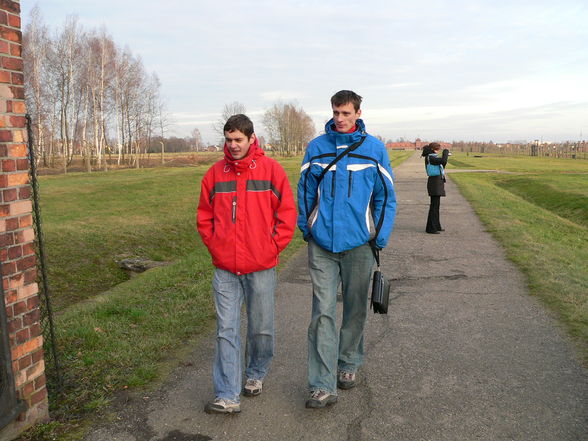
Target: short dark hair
[346, 96]
[241, 123]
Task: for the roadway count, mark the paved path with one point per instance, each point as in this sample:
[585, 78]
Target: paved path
[464, 354]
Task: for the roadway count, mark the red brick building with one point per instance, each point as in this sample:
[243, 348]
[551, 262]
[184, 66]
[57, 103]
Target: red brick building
[23, 394]
[416, 145]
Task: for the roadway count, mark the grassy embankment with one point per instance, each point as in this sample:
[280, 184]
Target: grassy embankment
[116, 333]
[538, 210]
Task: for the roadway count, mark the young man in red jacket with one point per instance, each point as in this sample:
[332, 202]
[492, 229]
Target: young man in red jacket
[246, 217]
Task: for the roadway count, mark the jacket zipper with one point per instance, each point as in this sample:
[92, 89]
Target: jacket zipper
[333, 184]
[350, 183]
[234, 209]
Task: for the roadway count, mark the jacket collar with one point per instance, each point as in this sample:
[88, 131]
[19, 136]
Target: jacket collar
[345, 138]
[255, 152]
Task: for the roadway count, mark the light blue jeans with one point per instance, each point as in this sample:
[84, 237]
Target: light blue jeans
[328, 351]
[230, 290]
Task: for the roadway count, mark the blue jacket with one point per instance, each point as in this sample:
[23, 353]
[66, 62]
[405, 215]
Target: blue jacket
[355, 201]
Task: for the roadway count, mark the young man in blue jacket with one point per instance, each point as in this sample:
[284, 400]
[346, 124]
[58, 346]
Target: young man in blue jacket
[345, 208]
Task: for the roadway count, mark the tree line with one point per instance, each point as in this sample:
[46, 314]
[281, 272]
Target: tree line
[88, 97]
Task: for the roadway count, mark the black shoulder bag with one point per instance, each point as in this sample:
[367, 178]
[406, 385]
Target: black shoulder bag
[380, 287]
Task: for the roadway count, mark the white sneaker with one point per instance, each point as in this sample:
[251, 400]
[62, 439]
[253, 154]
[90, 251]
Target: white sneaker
[252, 387]
[222, 405]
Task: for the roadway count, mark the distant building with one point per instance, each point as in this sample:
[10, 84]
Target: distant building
[418, 144]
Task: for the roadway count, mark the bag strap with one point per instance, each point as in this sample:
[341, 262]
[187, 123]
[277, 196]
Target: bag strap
[331, 164]
[376, 253]
[338, 158]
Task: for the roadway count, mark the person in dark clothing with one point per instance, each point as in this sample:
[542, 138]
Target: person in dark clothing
[435, 167]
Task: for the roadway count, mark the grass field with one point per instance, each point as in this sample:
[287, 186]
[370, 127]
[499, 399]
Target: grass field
[538, 209]
[116, 333]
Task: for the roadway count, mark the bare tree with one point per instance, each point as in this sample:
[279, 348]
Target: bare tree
[197, 140]
[79, 85]
[229, 110]
[289, 127]
[36, 39]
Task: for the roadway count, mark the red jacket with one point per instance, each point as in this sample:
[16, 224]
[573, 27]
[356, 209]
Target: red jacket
[246, 214]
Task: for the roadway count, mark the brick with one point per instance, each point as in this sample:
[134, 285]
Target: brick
[16, 280]
[10, 195]
[40, 381]
[2, 230]
[25, 236]
[14, 325]
[8, 268]
[12, 224]
[35, 370]
[10, 6]
[30, 275]
[27, 348]
[35, 330]
[3, 181]
[28, 389]
[39, 397]
[29, 292]
[19, 308]
[12, 63]
[19, 107]
[10, 34]
[15, 253]
[14, 21]
[5, 94]
[5, 77]
[22, 164]
[21, 207]
[3, 18]
[25, 263]
[17, 92]
[25, 362]
[17, 179]
[19, 135]
[17, 78]
[32, 302]
[8, 165]
[5, 136]
[9, 312]
[18, 121]
[4, 47]
[16, 50]
[6, 239]
[25, 192]
[20, 377]
[24, 222]
[5, 208]
[37, 356]
[23, 335]
[31, 317]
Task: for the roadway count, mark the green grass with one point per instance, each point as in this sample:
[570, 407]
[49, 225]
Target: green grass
[115, 333]
[538, 210]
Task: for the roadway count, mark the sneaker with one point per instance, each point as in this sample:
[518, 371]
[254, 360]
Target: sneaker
[252, 387]
[320, 398]
[222, 405]
[345, 380]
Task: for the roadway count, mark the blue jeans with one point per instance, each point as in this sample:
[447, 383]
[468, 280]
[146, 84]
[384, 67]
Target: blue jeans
[328, 351]
[257, 289]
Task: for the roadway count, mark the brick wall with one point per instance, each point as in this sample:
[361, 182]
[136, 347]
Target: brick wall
[17, 252]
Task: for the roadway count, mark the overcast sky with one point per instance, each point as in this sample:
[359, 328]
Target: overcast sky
[499, 70]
